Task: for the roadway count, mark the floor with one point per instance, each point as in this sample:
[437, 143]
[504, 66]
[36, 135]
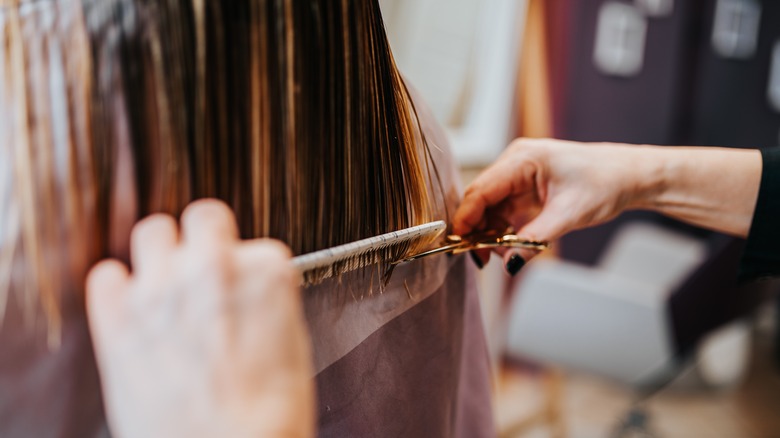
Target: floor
[592, 407]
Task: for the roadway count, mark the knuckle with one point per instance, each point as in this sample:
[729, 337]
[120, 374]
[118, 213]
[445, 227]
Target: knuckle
[215, 254]
[476, 191]
[275, 249]
[518, 143]
[101, 273]
[206, 210]
[277, 259]
[213, 263]
[471, 189]
[524, 144]
[154, 226]
[533, 147]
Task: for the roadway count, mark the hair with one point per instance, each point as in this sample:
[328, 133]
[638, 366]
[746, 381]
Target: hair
[291, 111]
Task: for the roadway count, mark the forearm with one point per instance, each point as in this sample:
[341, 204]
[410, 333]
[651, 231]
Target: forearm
[715, 188]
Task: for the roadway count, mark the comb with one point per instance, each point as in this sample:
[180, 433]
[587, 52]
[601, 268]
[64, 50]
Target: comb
[393, 248]
[319, 265]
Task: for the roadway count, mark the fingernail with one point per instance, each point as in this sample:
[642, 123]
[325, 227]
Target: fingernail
[515, 264]
[477, 260]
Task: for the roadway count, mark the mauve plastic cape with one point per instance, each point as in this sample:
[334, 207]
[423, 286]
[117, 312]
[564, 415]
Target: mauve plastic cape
[412, 360]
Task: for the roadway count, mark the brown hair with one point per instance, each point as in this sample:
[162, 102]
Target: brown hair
[291, 111]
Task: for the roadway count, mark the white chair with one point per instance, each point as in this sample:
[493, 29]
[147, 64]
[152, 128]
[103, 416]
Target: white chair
[611, 319]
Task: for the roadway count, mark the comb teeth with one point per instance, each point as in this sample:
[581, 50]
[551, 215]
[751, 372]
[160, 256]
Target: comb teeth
[384, 249]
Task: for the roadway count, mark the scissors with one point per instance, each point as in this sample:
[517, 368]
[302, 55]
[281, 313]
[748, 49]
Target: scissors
[455, 244]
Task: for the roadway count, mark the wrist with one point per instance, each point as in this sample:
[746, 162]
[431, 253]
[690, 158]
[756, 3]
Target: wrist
[650, 176]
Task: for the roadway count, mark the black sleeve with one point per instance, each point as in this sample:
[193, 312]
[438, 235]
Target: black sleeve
[762, 251]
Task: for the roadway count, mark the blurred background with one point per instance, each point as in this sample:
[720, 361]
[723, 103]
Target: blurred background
[638, 327]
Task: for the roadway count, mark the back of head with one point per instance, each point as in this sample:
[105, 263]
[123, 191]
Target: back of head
[291, 111]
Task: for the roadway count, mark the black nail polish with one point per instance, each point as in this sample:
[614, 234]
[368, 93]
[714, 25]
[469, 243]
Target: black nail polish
[477, 260]
[515, 264]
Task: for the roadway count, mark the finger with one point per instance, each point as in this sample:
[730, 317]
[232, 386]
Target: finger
[515, 212]
[551, 223]
[488, 189]
[516, 259]
[152, 242]
[208, 222]
[269, 247]
[260, 254]
[503, 179]
[265, 267]
[106, 285]
[480, 257]
[496, 219]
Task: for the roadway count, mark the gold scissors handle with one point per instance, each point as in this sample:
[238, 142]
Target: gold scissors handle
[455, 244]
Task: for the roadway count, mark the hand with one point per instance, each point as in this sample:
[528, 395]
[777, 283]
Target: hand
[206, 337]
[546, 188]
